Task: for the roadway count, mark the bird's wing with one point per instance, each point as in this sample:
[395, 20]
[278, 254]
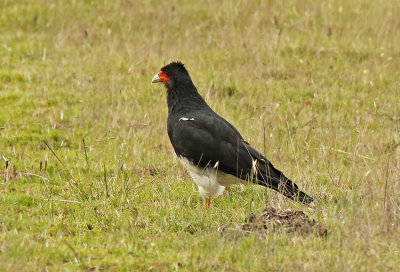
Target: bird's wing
[208, 140]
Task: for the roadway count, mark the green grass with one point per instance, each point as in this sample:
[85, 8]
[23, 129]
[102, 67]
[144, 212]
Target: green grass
[76, 75]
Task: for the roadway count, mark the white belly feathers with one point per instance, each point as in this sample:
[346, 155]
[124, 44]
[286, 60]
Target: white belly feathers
[210, 181]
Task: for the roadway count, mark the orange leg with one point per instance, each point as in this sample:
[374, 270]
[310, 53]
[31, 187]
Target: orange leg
[207, 202]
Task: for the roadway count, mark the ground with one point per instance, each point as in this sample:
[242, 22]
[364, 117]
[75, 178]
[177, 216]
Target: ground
[92, 182]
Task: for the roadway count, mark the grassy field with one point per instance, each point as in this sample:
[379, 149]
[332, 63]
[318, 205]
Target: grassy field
[93, 184]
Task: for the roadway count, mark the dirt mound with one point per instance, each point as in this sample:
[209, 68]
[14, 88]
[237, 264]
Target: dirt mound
[291, 221]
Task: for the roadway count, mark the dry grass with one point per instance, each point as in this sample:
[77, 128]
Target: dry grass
[313, 84]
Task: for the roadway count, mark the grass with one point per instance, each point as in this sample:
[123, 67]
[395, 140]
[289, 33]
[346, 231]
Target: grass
[92, 183]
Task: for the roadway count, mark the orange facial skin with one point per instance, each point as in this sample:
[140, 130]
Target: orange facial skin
[163, 77]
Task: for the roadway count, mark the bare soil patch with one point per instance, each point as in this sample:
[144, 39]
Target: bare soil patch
[292, 221]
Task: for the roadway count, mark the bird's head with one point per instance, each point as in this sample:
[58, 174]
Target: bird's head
[172, 74]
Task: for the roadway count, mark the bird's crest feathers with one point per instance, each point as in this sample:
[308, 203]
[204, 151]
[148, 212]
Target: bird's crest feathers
[175, 66]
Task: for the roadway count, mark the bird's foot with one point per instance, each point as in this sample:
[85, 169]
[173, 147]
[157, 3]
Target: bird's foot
[207, 203]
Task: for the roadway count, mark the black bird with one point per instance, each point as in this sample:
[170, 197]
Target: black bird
[211, 149]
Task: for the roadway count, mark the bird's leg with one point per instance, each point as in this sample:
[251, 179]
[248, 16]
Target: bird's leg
[207, 203]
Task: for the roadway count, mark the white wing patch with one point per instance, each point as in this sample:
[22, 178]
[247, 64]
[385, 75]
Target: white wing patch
[186, 119]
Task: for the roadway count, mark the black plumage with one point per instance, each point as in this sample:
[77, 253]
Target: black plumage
[206, 141]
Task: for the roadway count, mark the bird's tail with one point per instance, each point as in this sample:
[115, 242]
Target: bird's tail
[269, 176]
